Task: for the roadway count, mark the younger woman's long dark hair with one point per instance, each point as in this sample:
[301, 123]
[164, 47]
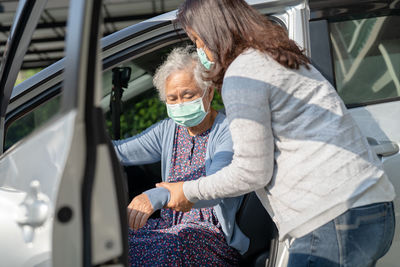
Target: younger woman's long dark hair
[228, 27]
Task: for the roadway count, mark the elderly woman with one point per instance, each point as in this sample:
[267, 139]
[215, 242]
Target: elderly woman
[194, 142]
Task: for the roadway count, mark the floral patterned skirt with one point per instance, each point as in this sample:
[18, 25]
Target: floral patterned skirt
[181, 239]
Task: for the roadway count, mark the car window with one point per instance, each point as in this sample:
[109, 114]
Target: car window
[141, 107]
[27, 123]
[366, 58]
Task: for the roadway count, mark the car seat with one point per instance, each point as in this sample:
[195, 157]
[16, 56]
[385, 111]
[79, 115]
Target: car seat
[257, 225]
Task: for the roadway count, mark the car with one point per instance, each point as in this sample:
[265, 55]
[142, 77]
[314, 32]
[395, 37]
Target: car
[63, 193]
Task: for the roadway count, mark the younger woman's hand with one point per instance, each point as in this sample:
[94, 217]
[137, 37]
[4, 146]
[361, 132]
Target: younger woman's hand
[178, 201]
[139, 211]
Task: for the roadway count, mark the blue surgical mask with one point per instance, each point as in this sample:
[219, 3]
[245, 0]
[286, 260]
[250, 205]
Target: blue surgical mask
[188, 114]
[204, 59]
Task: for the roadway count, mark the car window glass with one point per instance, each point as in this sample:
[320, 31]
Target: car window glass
[27, 123]
[366, 58]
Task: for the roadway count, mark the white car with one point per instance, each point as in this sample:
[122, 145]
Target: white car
[62, 190]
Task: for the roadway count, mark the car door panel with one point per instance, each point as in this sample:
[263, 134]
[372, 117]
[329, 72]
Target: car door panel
[15, 193]
[89, 147]
[381, 123]
[18, 169]
[55, 174]
[34, 244]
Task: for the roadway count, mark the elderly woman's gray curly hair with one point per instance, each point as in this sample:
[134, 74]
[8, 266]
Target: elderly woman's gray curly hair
[180, 59]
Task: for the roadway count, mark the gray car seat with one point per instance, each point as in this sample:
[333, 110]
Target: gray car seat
[257, 225]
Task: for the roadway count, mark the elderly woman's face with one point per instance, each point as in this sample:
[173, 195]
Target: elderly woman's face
[181, 87]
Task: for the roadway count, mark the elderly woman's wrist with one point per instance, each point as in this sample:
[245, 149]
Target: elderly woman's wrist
[159, 197]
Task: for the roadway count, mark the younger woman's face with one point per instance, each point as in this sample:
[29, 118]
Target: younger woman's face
[199, 43]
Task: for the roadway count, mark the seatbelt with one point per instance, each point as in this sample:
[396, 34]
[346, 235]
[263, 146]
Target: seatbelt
[120, 79]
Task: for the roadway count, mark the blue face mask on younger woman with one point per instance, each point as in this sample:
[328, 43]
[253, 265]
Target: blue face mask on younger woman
[204, 59]
[188, 114]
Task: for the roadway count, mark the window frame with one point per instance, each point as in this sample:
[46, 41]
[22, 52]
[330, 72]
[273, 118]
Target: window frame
[322, 58]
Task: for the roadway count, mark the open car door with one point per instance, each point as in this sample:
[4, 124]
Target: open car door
[63, 183]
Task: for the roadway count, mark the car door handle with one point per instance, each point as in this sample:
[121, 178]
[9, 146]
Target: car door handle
[34, 209]
[384, 148]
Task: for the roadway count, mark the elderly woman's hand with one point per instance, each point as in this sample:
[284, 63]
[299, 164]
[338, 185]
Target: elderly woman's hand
[139, 211]
[178, 201]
